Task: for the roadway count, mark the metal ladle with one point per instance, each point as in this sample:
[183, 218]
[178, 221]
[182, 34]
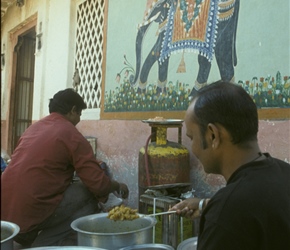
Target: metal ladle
[156, 214]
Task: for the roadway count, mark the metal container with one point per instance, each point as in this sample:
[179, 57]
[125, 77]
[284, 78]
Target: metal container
[149, 247]
[189, 244]
[98, 231]
[65, 248]
[8, 231]
[163, 162]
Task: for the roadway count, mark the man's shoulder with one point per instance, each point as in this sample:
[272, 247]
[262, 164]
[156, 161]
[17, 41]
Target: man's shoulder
[260, 172]
[265, 182]
[54, 126]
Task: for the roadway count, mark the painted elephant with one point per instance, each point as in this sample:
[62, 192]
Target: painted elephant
[206, 26]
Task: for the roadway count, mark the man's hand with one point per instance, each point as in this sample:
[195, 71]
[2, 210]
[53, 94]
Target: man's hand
[188, 208]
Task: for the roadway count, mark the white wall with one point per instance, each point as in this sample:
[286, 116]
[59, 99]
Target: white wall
[53, 62]
[263, 38]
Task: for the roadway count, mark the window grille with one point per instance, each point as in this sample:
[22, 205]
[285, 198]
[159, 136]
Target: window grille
[89, 51]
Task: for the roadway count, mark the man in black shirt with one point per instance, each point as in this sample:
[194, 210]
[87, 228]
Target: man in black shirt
[253, 211]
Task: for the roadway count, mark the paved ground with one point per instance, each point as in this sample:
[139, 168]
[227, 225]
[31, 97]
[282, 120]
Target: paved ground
[16, 246]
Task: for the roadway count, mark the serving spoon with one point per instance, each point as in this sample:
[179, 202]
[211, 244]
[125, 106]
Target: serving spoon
[156, 214]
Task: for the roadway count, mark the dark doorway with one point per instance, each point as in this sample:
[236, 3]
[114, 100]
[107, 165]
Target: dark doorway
[22, 99]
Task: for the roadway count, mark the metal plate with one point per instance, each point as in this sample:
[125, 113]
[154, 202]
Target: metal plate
[167, 121]
[189, 244]
[66, 248]
[149, 247]
[173, 185]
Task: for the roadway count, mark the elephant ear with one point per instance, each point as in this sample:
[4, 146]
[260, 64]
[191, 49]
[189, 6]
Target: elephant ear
[226, 10]
[154, 10]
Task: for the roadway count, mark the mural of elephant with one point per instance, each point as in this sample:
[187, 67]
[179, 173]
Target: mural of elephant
[206, 26]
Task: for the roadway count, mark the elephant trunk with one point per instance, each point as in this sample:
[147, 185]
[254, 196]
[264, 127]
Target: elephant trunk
[138, 49]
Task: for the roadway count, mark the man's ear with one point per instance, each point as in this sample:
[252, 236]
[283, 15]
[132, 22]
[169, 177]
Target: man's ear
[73, 109]
[214, 135]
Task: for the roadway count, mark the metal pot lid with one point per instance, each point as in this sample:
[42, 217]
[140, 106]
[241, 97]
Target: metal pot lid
[65, 248]
[165, 121]
[173, 185]
[148, 247]
[99, 224]
[189, 244]
[8, 230]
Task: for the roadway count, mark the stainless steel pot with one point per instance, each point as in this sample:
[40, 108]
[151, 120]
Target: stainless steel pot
[149, 247]
[8, 231]
[98, 231]
[189, 244]
[65, 248]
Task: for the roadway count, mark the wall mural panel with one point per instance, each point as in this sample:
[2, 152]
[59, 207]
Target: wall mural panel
[160, 52]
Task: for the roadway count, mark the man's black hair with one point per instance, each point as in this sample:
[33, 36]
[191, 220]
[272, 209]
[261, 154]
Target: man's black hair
[63, 101]
[229, 105]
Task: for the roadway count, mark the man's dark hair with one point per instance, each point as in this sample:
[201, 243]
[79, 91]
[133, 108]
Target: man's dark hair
[63, 101]
[229, 105]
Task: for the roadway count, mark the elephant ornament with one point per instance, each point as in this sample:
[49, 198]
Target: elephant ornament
[207, 27]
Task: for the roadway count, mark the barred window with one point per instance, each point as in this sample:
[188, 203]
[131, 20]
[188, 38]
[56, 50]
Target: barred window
[89, 51]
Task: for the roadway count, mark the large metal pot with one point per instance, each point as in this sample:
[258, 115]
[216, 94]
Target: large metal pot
[189, 244]
[8, 231]
[149, 247]
[98, 231]
[65, 248]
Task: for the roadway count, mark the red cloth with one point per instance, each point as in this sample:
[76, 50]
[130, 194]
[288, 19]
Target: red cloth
[42, 168]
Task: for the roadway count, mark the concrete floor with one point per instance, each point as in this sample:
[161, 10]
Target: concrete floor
[16, 246]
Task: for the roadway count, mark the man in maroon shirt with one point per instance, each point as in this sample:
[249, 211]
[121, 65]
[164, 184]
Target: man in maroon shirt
[37, 192]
